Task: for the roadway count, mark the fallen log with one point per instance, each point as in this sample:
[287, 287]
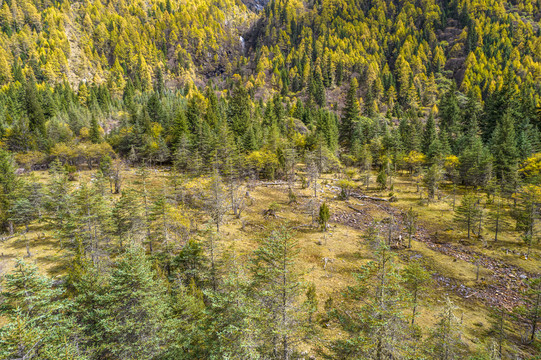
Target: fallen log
[366, 197]
[355, 209]
[276, 183]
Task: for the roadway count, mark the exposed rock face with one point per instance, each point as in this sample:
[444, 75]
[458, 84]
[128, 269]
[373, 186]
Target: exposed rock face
[255, 5]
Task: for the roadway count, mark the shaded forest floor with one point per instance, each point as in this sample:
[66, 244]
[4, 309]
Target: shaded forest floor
[329, 259]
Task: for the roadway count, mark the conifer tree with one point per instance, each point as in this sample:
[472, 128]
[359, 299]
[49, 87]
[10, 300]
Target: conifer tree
[33, 108]
[411, 224]
[8, 185]
[445, 340]
[504, 151]
[375, 324]
[475, 164]
[95, 135]
[216, 201]
[497, 328]
[351, 114]
[134, 309]
[276, 281]
[238, 111]
[429, 135]
[532, 308]
[431, 179]
[37, 317]
[324, 216]
[496, 217]
[127, 217]
[450, 115]
[467, 213]
[416, 279]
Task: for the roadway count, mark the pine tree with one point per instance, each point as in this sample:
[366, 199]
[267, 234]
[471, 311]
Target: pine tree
[22, 212]
[497, 328]
[58, 201]
[127, 217]
[432, 179]
[238, 111]
[410, 220]
[496, 217]
[191, 264]
[450, 115]
[475, 164]
[216, 201]
[142, 181]
[532, 308]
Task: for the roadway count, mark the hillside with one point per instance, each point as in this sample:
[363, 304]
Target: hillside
[285, 179]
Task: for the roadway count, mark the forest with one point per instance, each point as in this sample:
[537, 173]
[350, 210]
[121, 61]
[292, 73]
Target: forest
[283, 179]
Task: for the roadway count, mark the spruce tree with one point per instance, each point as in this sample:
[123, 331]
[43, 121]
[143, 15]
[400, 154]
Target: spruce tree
[416, 279]
[467, 213]
[429, 135]
[276, 281]
[134, 309]
[33, 108]
[37, 317]
[445, 340]
[496, 217]
[324, 216]
[504, 150]
[8, 185]
[450, 116]
[373, 317]
[350, 115]
[95, 135]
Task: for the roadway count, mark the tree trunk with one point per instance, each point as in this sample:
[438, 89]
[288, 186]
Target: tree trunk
[535, 318]
[414, 306]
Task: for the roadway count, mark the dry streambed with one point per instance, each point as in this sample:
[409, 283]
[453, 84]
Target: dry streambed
[502, 287]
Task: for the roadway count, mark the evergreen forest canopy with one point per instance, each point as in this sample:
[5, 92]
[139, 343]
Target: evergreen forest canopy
[222, 94]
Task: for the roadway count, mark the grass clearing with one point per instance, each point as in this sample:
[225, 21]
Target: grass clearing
[341, 246]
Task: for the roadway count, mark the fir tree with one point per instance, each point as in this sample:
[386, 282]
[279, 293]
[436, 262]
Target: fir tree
[276, 281]
[8, 184]
[467, 213]
[33, 108]
[429, 135]
[95, 135]
[324, 216]
[416, 279]
[351, 114]
[134, 309]
[504, 151]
